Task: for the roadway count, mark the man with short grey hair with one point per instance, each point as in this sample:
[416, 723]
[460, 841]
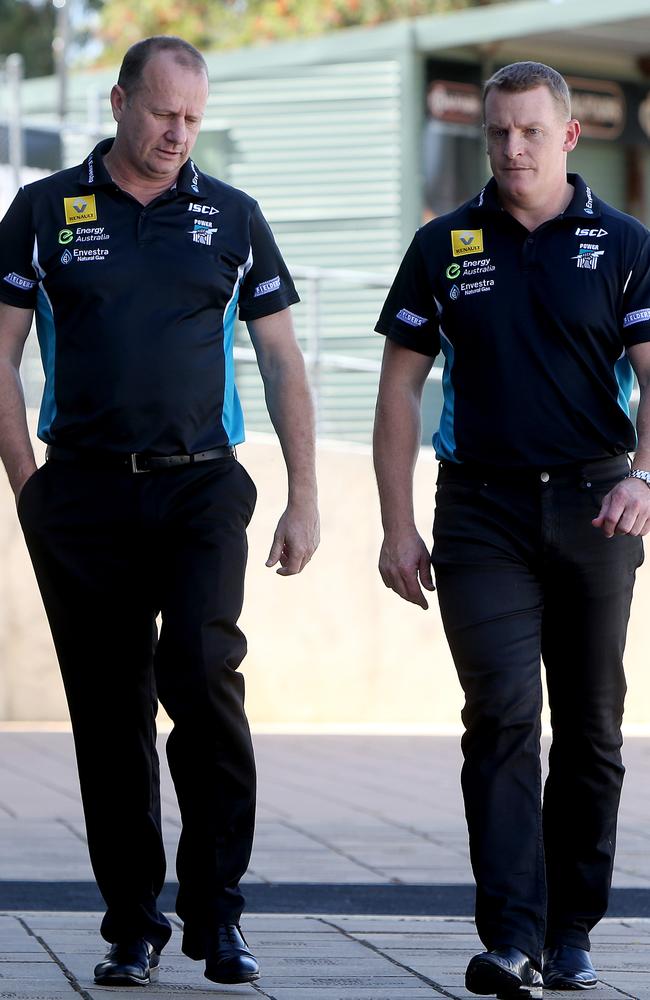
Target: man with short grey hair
[538, 295]
[136, 264]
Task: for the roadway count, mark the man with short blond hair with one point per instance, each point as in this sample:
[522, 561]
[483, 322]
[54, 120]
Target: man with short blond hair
[538, 295]
[519, 77]
[136, 263]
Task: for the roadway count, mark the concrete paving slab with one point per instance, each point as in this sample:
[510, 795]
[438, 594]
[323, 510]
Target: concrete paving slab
[397, 816]
[327, 958]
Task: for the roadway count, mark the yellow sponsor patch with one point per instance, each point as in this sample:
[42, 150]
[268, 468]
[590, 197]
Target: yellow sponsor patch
[80, 209]
[464, 241]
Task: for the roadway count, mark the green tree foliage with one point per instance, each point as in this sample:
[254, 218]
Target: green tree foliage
[28, 28]
[124, 22]
[213, 24]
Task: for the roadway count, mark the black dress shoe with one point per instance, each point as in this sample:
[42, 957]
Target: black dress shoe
[228, 959]
[567, 968]
[128, 963]
[504, 972]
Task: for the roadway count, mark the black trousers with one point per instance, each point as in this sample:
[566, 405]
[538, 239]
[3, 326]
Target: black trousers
[521, 573]
[112, 549]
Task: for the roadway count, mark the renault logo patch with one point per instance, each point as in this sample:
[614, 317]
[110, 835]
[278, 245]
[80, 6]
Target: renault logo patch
[80, 209]
[464, 241]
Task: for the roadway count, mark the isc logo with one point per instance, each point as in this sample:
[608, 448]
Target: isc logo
[202, 209]
[591, 232]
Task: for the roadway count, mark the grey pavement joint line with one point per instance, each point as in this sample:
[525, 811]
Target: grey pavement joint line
[400, 965]
[422, 834]
[21, 772]
[375, 814]
[258, 989]
[336, 850]
[70, 827]
[616, 989]
[279, 813]
[262, 878]
[55, 958]
[10, 812]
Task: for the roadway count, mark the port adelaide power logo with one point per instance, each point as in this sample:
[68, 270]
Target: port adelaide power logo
[589, 253]
[202, 231]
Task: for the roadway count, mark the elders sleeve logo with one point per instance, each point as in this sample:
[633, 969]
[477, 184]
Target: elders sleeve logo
[82, 208]
[265, 287]
[639, 316]
[411, 318]
[465, 241]
[17, 280]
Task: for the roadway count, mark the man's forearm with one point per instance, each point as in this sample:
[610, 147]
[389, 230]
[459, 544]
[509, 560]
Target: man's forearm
[290, 406]
[404, 561]
[396, 443]
[15, 445]
[642, 454]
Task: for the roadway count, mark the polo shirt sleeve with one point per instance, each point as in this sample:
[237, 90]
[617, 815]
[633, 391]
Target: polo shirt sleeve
[267, 287]
[18, 281]
[409, 315]
[636, 300]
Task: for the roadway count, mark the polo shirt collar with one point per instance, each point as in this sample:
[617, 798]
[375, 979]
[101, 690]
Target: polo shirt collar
[93, 173]
[583, 205]
[190, 181]
[488, 199]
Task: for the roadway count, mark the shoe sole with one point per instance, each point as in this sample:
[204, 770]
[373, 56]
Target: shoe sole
[124, 981]
[234, 980]
[486, 979]
[127, 980]
[566, 984]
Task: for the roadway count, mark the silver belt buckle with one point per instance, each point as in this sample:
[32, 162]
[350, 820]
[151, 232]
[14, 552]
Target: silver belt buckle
[133, 458]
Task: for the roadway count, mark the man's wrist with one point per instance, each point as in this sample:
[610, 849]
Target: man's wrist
[303, 496]
[642, 474]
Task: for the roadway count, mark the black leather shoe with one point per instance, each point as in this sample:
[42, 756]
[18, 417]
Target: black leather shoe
[504, 972]
[567, 968]
[128, 963]
[228, 959]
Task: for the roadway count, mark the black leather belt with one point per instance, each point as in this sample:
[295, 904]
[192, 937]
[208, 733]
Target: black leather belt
[572, 472]
[136, 461]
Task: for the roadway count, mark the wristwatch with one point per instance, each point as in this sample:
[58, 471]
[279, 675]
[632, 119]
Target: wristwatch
[639, 474]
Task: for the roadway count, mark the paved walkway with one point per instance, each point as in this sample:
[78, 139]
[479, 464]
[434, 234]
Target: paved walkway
[366, 833]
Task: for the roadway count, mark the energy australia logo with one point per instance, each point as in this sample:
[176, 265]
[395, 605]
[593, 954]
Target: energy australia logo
[66, 257]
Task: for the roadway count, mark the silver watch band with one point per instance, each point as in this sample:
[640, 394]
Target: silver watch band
[639, 474]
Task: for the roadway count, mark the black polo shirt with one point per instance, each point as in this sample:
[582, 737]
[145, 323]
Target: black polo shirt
[533, 327]
[135, 306]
